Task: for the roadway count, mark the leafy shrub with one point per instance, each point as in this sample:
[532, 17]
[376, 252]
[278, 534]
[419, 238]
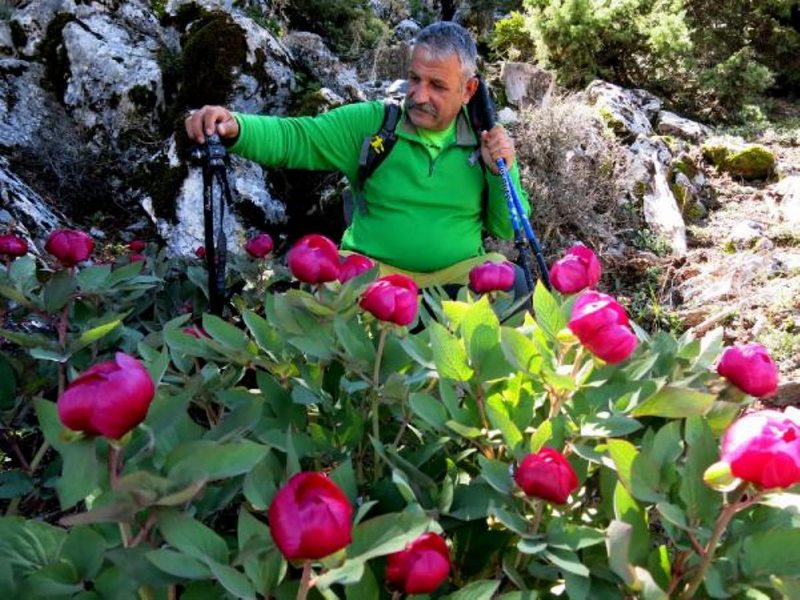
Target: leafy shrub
[573, 171]
[349, 25]
[419, 431]
[510, 39]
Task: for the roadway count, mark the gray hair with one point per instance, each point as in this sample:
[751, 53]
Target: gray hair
[445, 38]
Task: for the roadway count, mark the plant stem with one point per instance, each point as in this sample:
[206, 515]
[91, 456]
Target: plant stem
[376, 399]
[62, 343]
[724, 518]
[305, 581]
[538, 508]
[481, 403]
[115, 457]
[13, 506]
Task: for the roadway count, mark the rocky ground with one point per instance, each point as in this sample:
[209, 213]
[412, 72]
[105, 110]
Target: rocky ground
[742, 269]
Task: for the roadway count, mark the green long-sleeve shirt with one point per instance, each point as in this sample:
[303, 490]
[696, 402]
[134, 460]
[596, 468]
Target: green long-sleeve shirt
[423, 214]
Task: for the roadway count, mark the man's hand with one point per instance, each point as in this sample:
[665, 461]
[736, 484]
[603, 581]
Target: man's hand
[209, 120]
[497, 144]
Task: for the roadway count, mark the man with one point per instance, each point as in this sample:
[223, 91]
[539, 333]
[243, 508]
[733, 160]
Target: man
[424, 207]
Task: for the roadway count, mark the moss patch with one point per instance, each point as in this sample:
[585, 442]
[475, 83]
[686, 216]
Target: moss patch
[18, 35]
[684, 164]
[162, 182]
[750, 162]
[211, 50]
[143, 97]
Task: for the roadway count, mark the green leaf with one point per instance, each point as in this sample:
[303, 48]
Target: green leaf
[211, 461]
[609, 425]
[225, 333]
[192, 537]
[259, 483]
[80, 475]
[57, 579]
[29, 545]
[567, 561]
[232, 580]
[94, 278]
[59, 290]
[386, 534]
[499, 419]
[520, 351]
[85, 549]
[477, 590]
[267, 337]
[770, 553]
[15, 483]
[355, 341]
[710, 348]
[628, 510]
[542, 435]
[618, 541]
[350, 572]
[701, 501]
[123, 275]
[429, 409]
[573, 537]
[449, 354]
[623, 453]
[496, 474]
[178, 564]
[675, 403]
[547, 311]
[108, 325]
[481, 330]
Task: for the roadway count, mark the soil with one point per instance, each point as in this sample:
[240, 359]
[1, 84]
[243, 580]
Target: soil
[748, 282]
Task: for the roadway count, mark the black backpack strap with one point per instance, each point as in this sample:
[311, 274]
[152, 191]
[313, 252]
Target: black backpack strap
[374, 150]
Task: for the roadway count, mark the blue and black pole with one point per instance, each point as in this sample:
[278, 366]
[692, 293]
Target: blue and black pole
[483, 112]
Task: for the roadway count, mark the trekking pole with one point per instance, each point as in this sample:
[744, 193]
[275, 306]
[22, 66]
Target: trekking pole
[211, 156]
[485, 112]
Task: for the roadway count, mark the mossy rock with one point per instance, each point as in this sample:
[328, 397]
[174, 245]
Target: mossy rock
[54, 55]
[213, 48]
[162, 182]
[748, 162]
[686, 165]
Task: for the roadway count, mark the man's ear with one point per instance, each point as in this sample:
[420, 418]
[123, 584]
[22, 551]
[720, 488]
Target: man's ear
[470, 89]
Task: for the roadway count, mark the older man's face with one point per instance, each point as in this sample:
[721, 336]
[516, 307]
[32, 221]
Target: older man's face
[437, 89]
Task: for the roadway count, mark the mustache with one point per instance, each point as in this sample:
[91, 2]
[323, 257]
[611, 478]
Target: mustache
[423, 106]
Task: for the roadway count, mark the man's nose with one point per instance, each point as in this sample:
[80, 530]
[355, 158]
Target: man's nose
[419, 92]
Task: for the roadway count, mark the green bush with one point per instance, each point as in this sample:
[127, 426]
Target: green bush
[510, 39]
[708, 58]
[349, 25]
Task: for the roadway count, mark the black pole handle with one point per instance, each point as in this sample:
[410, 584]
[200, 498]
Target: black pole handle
[481, 108]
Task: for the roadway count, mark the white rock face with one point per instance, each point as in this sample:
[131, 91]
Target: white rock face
[25, 205]
[115, 80]
[628, 112]
[788, 189]
[33, 19]
[25, 108]
[527, 85]
[668, 123]
[311, 52]
[661, 211]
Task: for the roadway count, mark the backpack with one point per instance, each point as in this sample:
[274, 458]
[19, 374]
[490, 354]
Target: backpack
[374, 150]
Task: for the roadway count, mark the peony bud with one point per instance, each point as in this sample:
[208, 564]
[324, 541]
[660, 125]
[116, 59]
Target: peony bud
[547, 475]
[69, 246]
[200, 252]
[109, 399]
[750, 368]
[491, 277]
[136, 246]
[314, 259]
[421, 567]
[13, 245]
[354, 265]
[577, 270]
[310, 517]
[259, 246]
[601, 324]
[392, 298]
[763, 447]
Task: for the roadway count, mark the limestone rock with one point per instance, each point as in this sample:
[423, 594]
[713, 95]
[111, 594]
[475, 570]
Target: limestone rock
[661, 211]
[310, 50]
[527, 85]
[25, 108]
[6, 39]
[788, 189]
[748, 161]
[627, 112]
[744, 235]
[26, 206]
[115, 81]
[406, 30]
[29, 23]
[668, 123]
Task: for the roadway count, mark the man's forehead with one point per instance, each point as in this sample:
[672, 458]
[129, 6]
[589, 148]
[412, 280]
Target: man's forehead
[423, 57]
